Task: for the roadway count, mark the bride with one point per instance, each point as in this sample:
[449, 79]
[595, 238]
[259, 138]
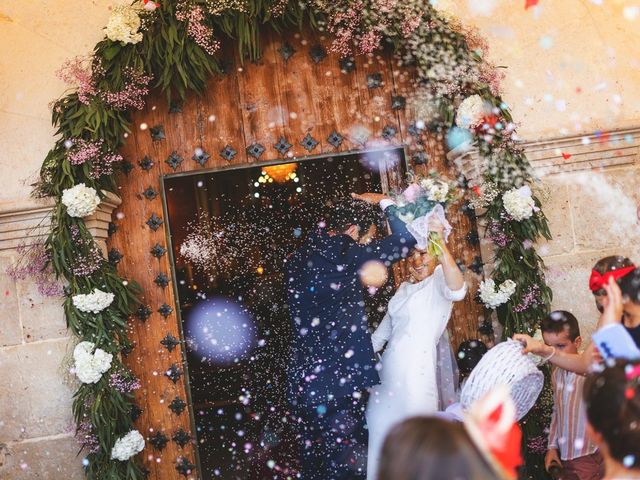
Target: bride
[414, 330]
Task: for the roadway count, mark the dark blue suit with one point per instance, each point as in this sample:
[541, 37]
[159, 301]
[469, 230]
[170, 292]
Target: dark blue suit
[332, 359]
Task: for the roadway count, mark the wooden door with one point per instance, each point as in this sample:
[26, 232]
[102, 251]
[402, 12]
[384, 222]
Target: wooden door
[309, 99]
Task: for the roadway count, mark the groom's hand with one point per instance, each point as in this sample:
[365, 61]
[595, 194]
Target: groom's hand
[370, 197]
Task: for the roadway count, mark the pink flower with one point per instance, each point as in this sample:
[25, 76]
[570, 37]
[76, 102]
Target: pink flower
[370, 41]
[409, 25]
[77, 73]
[133, 93]
[200, 32]
[411, 192]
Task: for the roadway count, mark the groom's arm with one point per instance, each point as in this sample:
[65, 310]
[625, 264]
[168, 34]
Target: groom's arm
[389, 249]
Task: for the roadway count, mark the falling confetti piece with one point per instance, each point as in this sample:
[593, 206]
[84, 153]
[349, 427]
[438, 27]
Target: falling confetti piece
[530, 3]
[566, 156]
[602, 136]
[373, 274]
[631, 13]
[546, 42]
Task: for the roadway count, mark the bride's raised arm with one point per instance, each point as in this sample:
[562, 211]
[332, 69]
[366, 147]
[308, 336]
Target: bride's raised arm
[454, 281]
[452, 274]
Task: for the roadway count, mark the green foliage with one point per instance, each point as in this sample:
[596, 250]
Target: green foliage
[108, 411]
[177, 63]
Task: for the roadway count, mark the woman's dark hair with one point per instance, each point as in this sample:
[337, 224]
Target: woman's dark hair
[608, 264]
[560, 321]
[612, 398]
[428, 448]
[469, 354]
[347, 211]
[630, 286]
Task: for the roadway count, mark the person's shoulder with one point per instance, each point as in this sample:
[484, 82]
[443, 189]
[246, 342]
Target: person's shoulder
[341, 246]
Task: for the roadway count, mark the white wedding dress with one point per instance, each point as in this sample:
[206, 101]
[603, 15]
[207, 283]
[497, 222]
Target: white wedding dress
[414, 330]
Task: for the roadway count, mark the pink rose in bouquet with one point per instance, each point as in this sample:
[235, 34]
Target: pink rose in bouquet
[411, 192]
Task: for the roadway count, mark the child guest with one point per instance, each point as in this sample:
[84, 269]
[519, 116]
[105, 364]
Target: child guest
[569, 443]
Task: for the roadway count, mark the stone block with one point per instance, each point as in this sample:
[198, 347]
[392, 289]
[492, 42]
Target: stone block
[20, 164]
[604, 208]
[35, 391]
[43, 459]
[10, 328]
[555, 204]
[42, 317]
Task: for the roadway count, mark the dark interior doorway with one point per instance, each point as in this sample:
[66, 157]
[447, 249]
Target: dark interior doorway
[231, 233]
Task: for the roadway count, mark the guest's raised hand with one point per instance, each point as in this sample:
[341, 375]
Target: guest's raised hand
[369, 197]
[531, 345]
[613, 307]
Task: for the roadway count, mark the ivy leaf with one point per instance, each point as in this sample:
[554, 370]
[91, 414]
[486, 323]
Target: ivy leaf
[110, 52]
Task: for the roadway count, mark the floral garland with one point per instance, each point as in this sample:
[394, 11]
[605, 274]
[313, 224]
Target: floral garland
[171, 45]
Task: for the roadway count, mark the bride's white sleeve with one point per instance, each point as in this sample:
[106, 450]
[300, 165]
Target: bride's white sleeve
[382, 333]
[447, 293]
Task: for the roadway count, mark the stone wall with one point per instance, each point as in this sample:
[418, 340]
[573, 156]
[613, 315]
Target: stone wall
[36, 423]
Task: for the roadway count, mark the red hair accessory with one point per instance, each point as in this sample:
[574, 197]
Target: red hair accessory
[598, 281]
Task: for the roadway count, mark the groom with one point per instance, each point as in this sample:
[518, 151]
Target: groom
[332, 360]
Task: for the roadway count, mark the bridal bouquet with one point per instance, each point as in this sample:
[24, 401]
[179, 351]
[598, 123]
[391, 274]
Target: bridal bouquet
[426, 196]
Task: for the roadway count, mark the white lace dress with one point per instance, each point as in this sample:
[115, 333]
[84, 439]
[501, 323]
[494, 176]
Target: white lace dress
[413, 328]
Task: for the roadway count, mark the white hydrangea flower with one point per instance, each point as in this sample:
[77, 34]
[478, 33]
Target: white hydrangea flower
[123, 24]
[80, 200]
[128, 446]
[519, 203]
[93, 302]
[82, 351]
[492, 298]
[89, 366]
[470, 112]
[437, 190]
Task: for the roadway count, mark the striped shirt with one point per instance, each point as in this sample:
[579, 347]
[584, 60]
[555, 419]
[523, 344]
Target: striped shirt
[568, 431]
